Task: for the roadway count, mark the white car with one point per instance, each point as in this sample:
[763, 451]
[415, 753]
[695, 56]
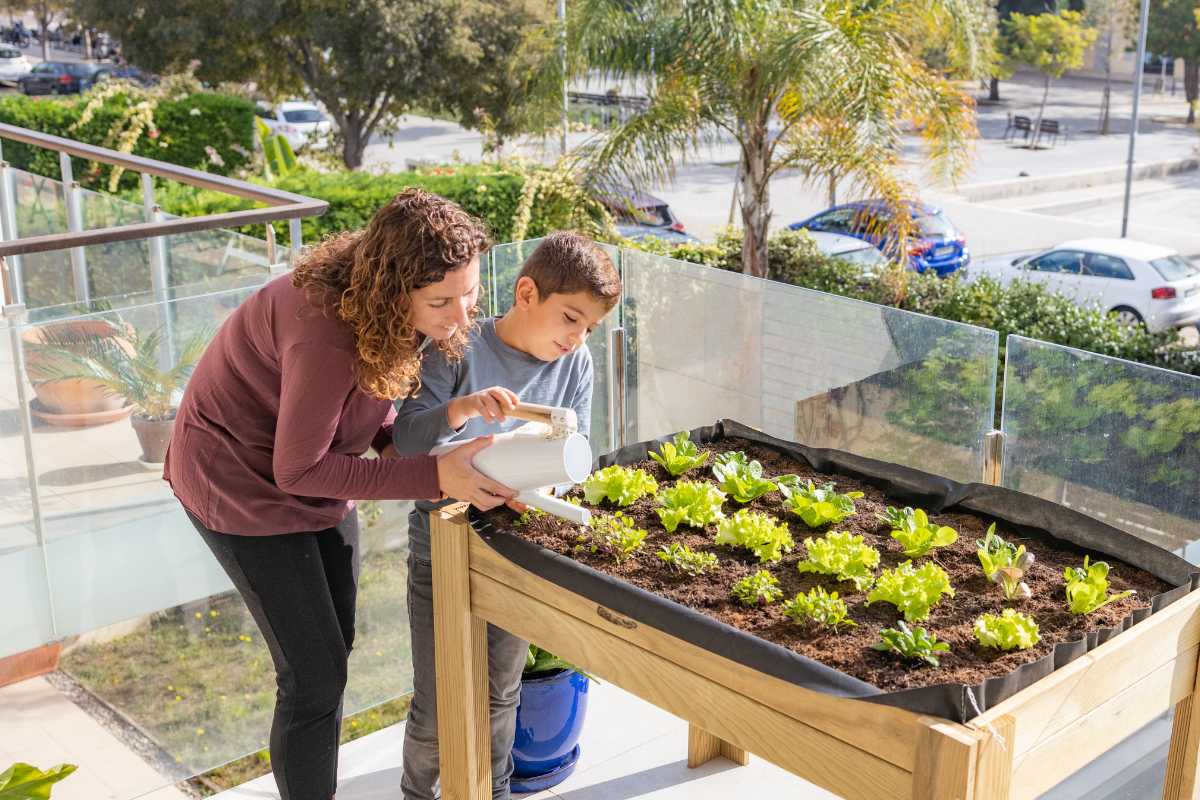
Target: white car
[13, 65]
[849, 248]
[302, 124]
[1139, 282]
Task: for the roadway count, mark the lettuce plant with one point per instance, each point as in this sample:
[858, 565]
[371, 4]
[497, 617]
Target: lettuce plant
[692, 503]
[741, 479]
[842, 555]
[759, 533]
[1004, 563]
[819, 606]
[761, 588]
[915, 533]
[913, 591]
[679, 455]
[1008, 630]
[817, 507]
[1087, 588]
[616, 534]
[619, 485]
[917, 643]
[529, 515]
[686, 560]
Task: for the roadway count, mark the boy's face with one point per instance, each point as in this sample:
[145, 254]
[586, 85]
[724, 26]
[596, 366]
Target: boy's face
[440, 309]
[559, 324]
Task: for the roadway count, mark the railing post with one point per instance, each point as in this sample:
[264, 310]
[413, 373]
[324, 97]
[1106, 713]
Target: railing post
[295, 239]
[71, 194]
[8, 229]
[993, 457]
[159, 280]
[617, 387]
[272, 255]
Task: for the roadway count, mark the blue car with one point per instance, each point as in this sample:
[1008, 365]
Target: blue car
[937, 244]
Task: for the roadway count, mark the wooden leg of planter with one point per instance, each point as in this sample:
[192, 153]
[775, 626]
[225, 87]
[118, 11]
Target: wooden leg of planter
[994, 767]
[460, 650]
[946, 761]
[704, 747]
[1182, 782]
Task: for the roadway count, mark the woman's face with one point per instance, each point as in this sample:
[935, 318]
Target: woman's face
[440, 309]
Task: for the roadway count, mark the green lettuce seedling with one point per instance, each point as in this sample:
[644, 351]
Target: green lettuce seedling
[817, 507]
[759, 533]
[741, 479]
[1008, 630]
[1087, 588]
[529, 515]
[679, 455]
[819, 606]
[917, 643]
[843, 556]
[1004, 563]
[617, 535]
[690, 503]
[760, 588]
[914, 532]
[686, 560]
[619, 485]
[913, 591]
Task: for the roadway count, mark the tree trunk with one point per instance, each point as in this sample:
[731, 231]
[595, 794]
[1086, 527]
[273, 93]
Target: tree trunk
[994, 90]
[354, 145]
[755, 201]
[1191, 87]
[1037, 126]
[43, 24]
[832, 196]
[1106, 97]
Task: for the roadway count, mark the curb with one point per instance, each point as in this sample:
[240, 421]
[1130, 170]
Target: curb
[997, 190]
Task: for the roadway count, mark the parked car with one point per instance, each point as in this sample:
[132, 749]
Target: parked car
[13, 65]
[63, 77]
[131, 73]
[303, 124]
[639, 215]
[849, 248]
[937, 245]
[1138, 282]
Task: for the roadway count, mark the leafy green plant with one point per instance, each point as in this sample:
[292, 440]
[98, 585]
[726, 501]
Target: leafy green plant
[1087, 588]
[1004, 563]
[278, 157]
[842, 555]
[916, 643]
[915, 533]
[679, 455]
[684, 559]
[819, 606]
[529, 515]
[759, 533]
[1008, 630]
[913, 591]
[691, 503]
[741, 478]
[619, 485]
[26, 782]
[539, 662]
[817, 507]
[616, 534]
[761, 588]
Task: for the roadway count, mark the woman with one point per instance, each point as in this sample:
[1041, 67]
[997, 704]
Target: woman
[267, 452]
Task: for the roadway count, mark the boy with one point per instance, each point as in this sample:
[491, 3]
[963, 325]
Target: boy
[534, 353]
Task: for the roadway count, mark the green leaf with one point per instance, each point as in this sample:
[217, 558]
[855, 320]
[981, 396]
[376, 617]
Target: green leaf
[914, 532]
[26, 782]
[1009, 630]
[1087, 588]
[619, 485]
[842, 555]
[693, 503]
[912, 591]
[679, 455]
[917, 644]
[761, 588]
[818, 507]
[759, 533]
[818, 606]
[740, 479]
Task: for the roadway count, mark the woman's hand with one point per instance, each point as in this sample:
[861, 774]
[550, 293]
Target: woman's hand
[491, 404]
[458, 478]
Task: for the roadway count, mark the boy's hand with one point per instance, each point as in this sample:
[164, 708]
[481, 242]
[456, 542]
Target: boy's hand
[491, 404]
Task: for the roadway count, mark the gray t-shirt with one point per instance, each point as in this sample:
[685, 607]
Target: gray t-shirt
[421, 421]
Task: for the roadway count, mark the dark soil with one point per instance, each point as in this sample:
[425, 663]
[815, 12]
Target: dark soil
[849, 650]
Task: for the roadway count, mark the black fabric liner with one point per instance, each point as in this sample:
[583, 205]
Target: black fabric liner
[907, 486]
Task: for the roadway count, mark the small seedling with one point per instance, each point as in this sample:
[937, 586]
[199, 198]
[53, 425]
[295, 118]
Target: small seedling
[761, 588]
[912, 529]
[818, 507]
[691, 503]
[818, 606]
[1087, 588]
[842, 555]
[741, 479]
[686, 560]
[1008, 630]
[916, 644]
[529, 515]
[618, 485]
[912, 591]
[1004, 564]
[759, 533]
[679, 455]
[617, 535]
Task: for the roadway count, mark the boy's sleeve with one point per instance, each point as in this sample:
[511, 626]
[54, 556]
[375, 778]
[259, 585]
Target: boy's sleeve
[582, 398]
[422, 421]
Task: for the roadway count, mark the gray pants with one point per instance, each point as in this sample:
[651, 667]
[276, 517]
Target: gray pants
[506, 661]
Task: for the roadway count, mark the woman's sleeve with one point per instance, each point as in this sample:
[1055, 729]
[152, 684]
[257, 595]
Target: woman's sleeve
[316, 381]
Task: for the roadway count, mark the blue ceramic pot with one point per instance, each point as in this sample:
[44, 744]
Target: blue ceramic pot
[549, 721]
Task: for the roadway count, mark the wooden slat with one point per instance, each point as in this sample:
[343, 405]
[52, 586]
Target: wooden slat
[889, 733]
[1088, 737]
[1056, 701]
[946, 759]
[805, 751]
[460, 651]
[1181, 782]
[704, 747]
[993, 771]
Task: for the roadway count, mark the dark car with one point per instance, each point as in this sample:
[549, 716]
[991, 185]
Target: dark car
[639, 215]
[937, 245]
[63, 77]
[129, 72]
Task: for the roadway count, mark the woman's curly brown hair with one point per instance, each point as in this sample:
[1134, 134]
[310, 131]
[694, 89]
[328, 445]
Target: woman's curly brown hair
[366, 278]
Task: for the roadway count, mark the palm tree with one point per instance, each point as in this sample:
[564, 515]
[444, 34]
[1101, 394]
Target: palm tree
[823, 86]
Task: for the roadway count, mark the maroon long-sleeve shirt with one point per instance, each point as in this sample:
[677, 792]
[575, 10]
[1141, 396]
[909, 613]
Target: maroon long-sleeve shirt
[271, 432]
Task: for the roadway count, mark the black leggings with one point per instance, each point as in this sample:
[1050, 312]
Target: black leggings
[300, 589]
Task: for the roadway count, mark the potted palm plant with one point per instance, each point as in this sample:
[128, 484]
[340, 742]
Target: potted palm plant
[554, 697]
[133, 372]
[72, 402]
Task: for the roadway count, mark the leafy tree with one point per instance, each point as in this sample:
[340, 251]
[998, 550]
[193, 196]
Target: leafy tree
[1051, 44]
[1173, 30]
[1001, 67]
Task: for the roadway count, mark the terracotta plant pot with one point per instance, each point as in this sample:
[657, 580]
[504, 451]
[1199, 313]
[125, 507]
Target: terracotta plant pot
[154, 436]
[73, 396]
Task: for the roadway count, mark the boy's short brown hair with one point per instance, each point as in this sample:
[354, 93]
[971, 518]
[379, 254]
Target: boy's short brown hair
[567, 262]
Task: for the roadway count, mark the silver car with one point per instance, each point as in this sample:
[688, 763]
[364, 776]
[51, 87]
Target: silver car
[13, 65]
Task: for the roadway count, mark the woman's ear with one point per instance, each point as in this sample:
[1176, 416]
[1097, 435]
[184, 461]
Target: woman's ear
[525, 294]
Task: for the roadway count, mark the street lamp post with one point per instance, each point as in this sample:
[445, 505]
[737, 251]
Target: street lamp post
[1137, 98]
[566, 99]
